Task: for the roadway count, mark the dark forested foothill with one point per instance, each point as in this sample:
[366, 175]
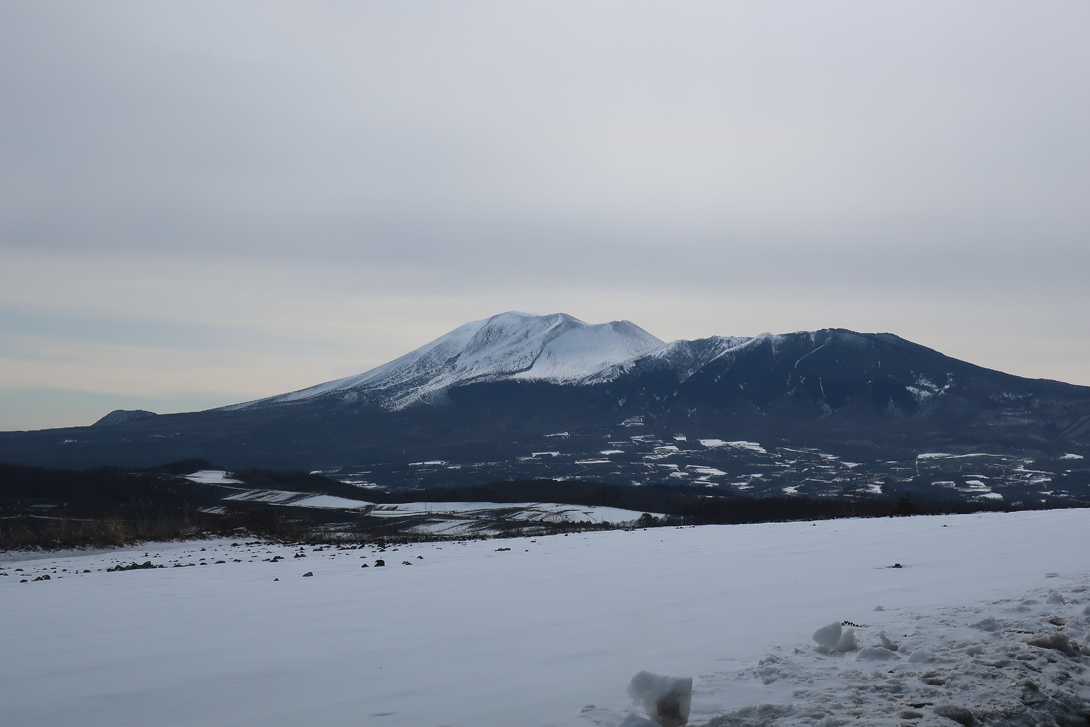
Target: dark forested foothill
[679, 504]
[114, 505]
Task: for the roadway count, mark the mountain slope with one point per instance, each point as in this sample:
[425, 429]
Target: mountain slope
[839, 380]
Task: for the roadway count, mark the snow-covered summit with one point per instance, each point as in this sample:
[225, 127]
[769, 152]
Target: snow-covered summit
[557, 348]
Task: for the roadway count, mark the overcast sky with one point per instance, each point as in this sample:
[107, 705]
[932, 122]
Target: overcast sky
[208, 202]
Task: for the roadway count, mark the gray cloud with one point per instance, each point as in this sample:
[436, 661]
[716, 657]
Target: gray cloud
[796, 153]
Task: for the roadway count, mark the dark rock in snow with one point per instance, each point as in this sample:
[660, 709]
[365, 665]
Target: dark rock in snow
[961, 715]
[146, 565]
[308, 574]
[379, 563]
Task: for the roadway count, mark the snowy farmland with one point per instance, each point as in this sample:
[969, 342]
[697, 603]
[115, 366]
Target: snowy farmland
[443, 519]
[549, 630]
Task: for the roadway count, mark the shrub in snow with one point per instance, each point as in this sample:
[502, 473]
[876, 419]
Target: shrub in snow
[827, 637]
[665, 700]
[847, 641]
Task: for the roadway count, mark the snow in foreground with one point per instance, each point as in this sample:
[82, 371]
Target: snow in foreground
[551, 631]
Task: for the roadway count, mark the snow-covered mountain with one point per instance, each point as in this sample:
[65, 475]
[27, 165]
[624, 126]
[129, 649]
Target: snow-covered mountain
[491, 396]
[556, 348]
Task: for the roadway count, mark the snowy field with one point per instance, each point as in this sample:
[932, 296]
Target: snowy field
[448, 519]
[550, 631]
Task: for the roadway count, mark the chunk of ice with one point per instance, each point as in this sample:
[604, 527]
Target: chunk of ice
[828, 636]
[847, 641]
[665, 700]
[887, 643]
[1057, 640]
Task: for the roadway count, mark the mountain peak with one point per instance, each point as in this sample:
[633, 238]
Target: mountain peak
[558, 348]
[123, 416]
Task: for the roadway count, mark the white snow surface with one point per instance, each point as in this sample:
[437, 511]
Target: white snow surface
[212, 477]
[752, 446]
[456, 518]
[299, 499]
[530, 511]
[535, 635]
[556, 348]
